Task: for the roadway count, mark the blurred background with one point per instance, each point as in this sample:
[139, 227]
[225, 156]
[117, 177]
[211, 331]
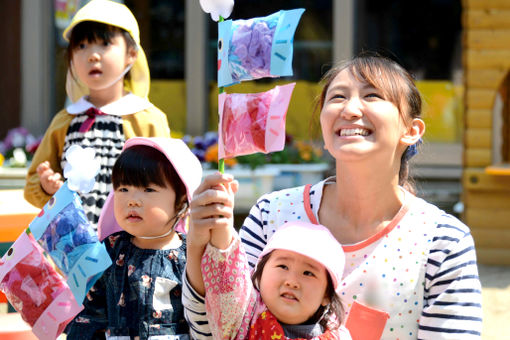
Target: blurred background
[180, 42]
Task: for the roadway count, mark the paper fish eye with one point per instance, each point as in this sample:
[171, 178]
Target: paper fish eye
[51, 202]
[220, 44]
[9, 253]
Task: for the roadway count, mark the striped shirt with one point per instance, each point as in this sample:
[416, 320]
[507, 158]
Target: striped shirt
[421, 269]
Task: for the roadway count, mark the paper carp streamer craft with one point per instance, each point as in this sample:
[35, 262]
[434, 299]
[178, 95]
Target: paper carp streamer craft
[217, 8]
[36, 290]
[257, 47]
[253, 122]
[64, 232]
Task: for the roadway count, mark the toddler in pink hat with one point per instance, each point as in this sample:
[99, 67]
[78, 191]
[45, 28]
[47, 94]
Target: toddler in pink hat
[291, 294]
[142, 222]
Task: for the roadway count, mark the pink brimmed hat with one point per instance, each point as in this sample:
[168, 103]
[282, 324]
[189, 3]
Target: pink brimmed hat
[311, 240]
[185, 163]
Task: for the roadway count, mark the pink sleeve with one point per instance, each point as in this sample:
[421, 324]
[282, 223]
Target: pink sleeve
[230, 297]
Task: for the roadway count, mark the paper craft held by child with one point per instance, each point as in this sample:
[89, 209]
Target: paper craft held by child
[253, 122]
[36, 290]
[256, 48]
[64, 231]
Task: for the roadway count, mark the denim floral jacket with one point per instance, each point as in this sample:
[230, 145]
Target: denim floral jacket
[139, 295]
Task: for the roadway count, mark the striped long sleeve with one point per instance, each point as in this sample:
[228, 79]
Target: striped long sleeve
[452, 296]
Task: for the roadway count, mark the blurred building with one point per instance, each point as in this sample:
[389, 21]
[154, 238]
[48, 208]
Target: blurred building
[180, 42]
[486, 161]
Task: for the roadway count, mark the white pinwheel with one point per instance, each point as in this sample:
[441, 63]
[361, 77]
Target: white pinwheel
[217, 8]
[81, 168]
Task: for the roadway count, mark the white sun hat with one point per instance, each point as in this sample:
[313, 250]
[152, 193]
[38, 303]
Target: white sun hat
[311, 240]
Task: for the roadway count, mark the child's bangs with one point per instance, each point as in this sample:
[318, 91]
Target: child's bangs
[140, 166]
[92, 31]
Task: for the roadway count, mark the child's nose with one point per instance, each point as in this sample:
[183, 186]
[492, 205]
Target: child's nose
[291, 281]
[134, 201]
[94, 56]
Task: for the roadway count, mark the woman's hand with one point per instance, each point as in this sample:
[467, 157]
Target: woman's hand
[50, 180]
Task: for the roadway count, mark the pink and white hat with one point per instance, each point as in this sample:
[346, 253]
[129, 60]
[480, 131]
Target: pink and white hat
[311, 240]
[185, 163]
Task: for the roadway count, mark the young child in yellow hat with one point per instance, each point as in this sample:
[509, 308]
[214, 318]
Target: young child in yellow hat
[108, 83]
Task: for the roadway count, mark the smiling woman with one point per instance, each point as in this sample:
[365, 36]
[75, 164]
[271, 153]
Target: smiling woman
[405, 258]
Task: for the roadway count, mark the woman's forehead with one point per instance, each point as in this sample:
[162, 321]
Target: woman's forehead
[347, 78]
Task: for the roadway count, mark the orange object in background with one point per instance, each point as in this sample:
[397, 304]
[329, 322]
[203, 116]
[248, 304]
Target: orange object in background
[13, 327]
[15, 214]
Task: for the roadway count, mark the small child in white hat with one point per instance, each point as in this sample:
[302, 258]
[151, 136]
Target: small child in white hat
[143, 221]
[292, 293]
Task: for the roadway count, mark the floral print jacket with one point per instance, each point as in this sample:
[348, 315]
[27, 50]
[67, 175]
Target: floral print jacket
[139, 295]
[234, 306]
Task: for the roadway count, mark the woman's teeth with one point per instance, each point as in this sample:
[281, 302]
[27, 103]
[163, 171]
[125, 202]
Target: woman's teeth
[354, 132]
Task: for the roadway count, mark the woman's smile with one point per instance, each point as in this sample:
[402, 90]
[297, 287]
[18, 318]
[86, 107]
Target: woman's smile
[353, 132]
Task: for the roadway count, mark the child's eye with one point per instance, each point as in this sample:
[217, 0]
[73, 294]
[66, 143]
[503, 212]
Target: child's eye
[149, 189]
[122, 189]
[106, 43]
[282, 266]
[308, 273]
[81, 46]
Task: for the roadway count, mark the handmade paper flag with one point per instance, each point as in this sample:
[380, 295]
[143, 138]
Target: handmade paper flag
[256, 48]
[64, 231]
[253, 122]
[35, 289]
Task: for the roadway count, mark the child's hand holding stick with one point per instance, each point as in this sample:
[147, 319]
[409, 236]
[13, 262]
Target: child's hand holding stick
[211, 220]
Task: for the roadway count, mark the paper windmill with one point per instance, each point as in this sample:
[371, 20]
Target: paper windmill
[217, 8]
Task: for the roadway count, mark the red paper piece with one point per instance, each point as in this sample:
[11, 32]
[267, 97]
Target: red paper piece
[253, 122]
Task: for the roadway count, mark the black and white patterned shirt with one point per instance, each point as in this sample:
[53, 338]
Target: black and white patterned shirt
[106, 137]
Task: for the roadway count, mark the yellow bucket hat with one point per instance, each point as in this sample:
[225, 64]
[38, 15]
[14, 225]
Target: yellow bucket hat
[114, 14]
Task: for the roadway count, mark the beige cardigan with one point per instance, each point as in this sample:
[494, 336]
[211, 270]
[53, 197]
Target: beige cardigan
[150, 122]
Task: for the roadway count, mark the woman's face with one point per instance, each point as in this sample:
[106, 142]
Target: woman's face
[357, 121]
